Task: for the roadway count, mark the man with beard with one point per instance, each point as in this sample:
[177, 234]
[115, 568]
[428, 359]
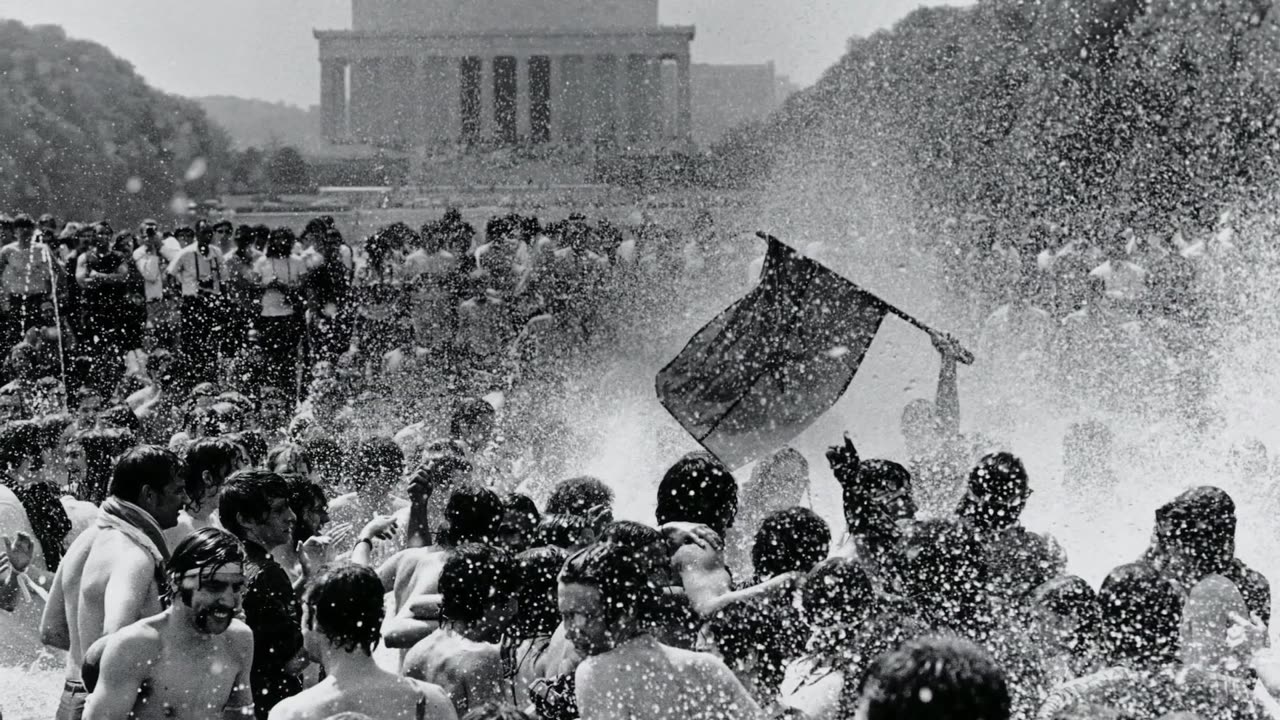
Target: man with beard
[627, 672]
[113, 574]
[254, 506]
[192, 660]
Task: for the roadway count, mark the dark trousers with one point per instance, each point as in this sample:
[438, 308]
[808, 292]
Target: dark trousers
[199, 346]
[27, 311]
[279, 337]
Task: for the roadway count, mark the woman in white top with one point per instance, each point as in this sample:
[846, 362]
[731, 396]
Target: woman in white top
[280, 323]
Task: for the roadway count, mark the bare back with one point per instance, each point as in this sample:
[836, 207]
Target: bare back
[469, 672]
[105, 583]
[381, 697]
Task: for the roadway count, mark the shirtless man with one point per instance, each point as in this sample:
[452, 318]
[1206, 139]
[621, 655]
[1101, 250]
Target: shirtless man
[627, 673]
[695, 494]
[112, 574]
[477, 603]
[341, 615]
[473, 515]
[192, 660]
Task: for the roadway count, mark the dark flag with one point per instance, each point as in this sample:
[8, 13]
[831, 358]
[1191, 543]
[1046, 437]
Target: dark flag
[760, 373]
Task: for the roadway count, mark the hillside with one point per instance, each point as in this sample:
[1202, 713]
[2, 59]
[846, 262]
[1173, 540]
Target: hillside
[1085, 116]
[83, 136]
[262, 124]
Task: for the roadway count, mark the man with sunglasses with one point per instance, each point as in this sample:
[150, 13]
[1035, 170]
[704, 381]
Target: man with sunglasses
[199, 269]
[26, 274]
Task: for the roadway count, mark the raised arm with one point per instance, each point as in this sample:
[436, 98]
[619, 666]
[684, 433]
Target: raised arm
[948, 398]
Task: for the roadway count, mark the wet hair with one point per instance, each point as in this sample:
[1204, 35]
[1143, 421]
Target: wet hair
[536, 573]
[791, 540]
[631, 535]
[521, 504]
[326, 457]
[1202, 522]
[879, 477]
[19, 441]
[253, 442]
[205, 550]
[493, 711]
[280, 242]
[762, 626]
[214, 454]
[836, 589]
[562, 531]
[698, 489]
[473, 578]
[346, 606]
[303, 495]
[577, 495]
[144, 466]
[467, 413]
[101, 447]
[616, 572]
[285, 457]
[1070, 596]
[474, 514]
[378, 464]
[249, 493]
[936, 678]
[998, 490]
[1141, 617]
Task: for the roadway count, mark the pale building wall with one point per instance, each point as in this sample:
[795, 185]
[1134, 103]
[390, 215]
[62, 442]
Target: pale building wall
[490, 15]
[724, 96]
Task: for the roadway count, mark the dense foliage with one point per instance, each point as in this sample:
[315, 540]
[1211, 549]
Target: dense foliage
[82, 135]
[1089, 115]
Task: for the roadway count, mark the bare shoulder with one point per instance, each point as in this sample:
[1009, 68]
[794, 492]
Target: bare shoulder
[141, 640]
[434, 694]
[695, 557]
[290, 708]
[240, 636]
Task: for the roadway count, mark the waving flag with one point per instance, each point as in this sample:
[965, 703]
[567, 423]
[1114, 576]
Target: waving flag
[768, 366]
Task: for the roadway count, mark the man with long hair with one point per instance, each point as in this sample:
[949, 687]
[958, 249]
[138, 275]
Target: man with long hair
[193, 659]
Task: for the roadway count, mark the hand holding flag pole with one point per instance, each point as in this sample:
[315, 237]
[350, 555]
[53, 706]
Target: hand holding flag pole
[769, 365]
[944, 342]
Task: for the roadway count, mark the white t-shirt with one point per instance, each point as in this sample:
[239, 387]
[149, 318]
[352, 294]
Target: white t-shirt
[288, 270]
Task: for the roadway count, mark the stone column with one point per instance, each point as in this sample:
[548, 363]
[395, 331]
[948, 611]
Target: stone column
[684, 108]
[422, 101]
[331, 109]
[488, 125]
[524, 125]
[621, 106]
[450, 108]
[556, 103]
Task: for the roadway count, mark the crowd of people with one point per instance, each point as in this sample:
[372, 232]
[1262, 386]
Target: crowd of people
[246, 307]
[271, 568]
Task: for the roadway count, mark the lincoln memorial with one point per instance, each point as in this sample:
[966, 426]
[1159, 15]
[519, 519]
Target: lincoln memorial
[423, 73]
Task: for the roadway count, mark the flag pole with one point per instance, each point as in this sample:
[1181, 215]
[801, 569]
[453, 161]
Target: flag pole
[962, 354]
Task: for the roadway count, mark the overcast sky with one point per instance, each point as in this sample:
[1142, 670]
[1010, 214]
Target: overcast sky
[264, 48]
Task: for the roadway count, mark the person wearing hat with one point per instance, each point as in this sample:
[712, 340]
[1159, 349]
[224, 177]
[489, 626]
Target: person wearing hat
[199, 269]
[26, 275]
